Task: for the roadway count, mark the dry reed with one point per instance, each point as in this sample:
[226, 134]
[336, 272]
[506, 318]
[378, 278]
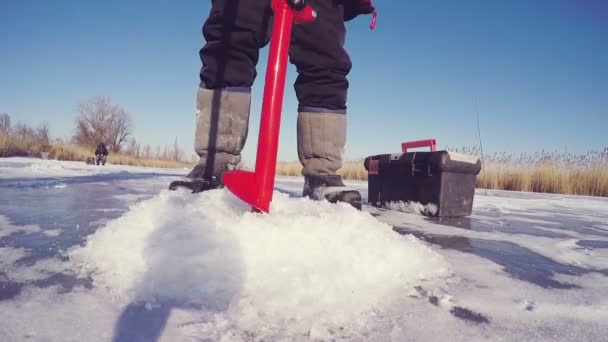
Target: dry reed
[11, 146]
[21, 146]
[562, 173]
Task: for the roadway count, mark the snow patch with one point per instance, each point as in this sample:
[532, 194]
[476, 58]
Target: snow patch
[108, 210]
[8, 256]
[7, 228]
[309, 267]
[130, 198]
[41, 269]
[52, 232]
[40, 314]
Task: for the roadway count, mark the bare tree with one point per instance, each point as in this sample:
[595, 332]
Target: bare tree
[91, 121]
[23, 131]
[42, 132]
[176, 153]
[98, 120]
[120, 128]
[42, 135]
[147, 152]
[166, 155]
[5, 123]
[134, 148]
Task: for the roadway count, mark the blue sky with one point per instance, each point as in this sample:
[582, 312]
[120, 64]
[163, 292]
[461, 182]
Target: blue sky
[537, 71]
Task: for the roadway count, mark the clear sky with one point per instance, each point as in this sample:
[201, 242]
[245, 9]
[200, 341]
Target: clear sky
[537, 70]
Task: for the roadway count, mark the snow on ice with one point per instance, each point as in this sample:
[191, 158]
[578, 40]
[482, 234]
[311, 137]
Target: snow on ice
[135, 262]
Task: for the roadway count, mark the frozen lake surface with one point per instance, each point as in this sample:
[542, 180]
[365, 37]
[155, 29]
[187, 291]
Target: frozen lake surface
[92, 253]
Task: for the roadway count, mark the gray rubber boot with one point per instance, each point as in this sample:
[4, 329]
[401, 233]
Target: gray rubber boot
[222, 124]
[321, 142]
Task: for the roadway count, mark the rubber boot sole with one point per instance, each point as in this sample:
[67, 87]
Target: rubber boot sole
[195, 185]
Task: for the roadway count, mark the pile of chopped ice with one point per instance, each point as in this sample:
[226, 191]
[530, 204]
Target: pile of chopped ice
[309, 268]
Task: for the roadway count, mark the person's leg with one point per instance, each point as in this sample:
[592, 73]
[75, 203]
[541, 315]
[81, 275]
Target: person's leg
[317, 50]
[234, 32]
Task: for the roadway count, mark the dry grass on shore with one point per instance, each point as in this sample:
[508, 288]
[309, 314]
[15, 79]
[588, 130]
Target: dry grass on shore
[11, 146]
[351, 170]
[120, 159]
[562, 173]
[73, 152]
[21, 145]
[584, 174]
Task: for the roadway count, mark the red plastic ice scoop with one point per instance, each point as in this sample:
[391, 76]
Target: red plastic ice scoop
[255, 188]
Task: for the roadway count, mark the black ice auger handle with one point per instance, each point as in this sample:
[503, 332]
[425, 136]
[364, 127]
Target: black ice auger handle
[297, 5]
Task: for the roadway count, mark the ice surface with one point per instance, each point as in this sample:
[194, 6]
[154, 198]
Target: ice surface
[108, 254]
[7, 228]
[17, 167]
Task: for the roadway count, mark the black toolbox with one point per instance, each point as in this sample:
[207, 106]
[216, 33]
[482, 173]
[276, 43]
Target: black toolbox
[440, 178]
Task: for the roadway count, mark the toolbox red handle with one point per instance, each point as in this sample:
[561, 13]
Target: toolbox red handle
[432, 143]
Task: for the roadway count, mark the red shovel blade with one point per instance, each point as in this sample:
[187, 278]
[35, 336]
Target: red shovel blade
[243, 184]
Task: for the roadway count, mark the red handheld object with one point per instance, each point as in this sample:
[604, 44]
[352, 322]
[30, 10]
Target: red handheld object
[255, 188]
[432, 143]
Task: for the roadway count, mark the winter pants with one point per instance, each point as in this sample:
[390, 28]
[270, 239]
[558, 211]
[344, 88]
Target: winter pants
[237, 29]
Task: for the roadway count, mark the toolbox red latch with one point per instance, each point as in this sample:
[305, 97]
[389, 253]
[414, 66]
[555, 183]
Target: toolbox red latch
[432, 143]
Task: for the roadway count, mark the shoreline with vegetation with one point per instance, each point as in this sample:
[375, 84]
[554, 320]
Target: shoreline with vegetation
[98, 120]
[565, 173]
[543, 172]
[69, 152]
[38, 146]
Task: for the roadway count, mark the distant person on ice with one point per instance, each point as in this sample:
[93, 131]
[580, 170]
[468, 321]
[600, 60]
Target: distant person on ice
[235, 31]
[101, 153]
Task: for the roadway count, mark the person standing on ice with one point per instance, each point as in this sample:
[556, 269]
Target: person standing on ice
[235, 31]
[101, 153]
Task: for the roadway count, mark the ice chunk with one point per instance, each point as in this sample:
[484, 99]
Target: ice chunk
[413, 207]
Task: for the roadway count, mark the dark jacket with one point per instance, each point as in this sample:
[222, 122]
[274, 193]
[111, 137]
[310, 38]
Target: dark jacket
[101, 149]
[353, 8]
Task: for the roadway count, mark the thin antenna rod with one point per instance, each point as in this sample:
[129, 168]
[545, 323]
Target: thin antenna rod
[480, 144]
[479, 133]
